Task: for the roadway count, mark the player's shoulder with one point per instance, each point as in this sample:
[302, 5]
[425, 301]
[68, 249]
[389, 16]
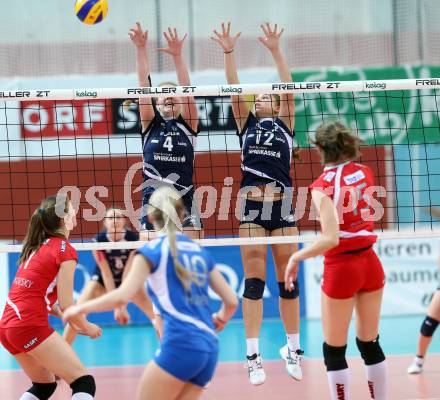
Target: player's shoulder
[356, 172]
[60, 245]
[153, 245]
[326, 179]
[364, 168]
[101, 237]
[131, 236]
[184, 243]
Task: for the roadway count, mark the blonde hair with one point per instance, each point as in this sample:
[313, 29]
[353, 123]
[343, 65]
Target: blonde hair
[166, 206]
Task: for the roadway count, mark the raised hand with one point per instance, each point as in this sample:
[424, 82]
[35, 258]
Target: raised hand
[138, 36]
[175, 44]
[224, 39]
[271, 38]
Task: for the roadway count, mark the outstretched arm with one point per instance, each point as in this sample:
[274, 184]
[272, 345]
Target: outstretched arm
[229, 299]
[175, 45]
[228, 42]
[327, 240]
[140, 40]
[271, 40]
[65, 300]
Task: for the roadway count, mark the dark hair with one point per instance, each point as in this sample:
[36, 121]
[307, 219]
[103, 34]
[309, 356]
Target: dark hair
[44, 223]
[336, 143]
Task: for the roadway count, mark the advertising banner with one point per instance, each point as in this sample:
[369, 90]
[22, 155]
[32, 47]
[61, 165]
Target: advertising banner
[411, 270]
[228, 260]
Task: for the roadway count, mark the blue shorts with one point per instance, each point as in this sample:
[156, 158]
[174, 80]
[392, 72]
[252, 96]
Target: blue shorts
[193, 366]
[192, 219]
[270, 215]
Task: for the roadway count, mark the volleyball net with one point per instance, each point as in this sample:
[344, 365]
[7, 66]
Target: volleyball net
[87, 142]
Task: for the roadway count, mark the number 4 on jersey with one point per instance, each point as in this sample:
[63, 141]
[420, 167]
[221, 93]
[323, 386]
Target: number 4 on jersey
[168, 144]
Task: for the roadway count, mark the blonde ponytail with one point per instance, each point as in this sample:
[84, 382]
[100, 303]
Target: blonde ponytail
[166, 206]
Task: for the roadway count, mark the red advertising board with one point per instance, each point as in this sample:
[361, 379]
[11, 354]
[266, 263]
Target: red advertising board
[66, 118]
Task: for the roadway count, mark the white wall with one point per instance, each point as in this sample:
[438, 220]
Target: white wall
[55, 21]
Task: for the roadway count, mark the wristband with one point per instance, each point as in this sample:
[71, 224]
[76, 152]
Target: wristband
[228, 52]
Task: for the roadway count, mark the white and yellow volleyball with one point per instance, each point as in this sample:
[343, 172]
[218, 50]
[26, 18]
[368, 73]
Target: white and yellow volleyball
[91, 12]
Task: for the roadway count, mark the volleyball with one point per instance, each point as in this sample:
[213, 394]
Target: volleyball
[91, 12]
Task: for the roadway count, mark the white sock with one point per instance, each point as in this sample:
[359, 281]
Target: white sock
[28, 396]
[293, 341]
[82, 396]
[377, 380]
[338, 383]
[252, 346]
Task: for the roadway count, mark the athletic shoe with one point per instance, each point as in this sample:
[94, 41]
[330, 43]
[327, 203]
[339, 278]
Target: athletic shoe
[293, 362]
[257, 376]
[416, 366]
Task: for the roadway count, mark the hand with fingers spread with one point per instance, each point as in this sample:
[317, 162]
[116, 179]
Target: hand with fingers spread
[224, 39]
[175, 44]
[271, 37]
[138, 36]
[291, 272]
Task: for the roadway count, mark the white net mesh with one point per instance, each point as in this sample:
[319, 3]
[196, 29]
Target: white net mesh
[92, 147]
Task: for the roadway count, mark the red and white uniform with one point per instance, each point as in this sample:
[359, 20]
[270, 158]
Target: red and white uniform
[33, 293]
[352, 266]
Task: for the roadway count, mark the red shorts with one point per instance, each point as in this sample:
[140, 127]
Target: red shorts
[349, 273]
[23, 339]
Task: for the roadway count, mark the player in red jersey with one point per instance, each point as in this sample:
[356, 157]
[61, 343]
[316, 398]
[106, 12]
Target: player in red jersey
[353, 275]
[45, 275]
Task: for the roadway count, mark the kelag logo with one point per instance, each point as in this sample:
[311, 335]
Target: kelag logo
[378, 116]
[85, 93]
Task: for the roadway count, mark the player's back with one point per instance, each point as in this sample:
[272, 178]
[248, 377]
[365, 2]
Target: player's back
[33, 290]
[186, 313]
[351, 186]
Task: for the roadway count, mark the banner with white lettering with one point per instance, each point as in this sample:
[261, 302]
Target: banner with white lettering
[228, 261]
[412, 276]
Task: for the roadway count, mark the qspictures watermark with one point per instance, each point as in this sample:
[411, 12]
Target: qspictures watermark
[221, 201]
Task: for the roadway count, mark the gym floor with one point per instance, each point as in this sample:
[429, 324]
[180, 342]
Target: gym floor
[119, 356]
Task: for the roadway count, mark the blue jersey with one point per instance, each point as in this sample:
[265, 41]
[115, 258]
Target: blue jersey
[116, 258]
[266, 152]
[187, 316]
[168, 153]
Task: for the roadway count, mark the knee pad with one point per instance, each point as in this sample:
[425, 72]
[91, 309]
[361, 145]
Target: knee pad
[43, 391]
[334, 357]
[84, 384]
[253, 288]
[371, 352]
[429, 326]
[286, 294]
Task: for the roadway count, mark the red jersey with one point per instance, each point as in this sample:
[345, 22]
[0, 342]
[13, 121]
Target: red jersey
[34, 289]
[350, 186]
